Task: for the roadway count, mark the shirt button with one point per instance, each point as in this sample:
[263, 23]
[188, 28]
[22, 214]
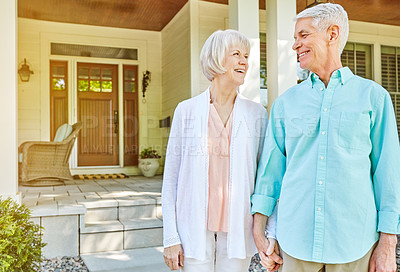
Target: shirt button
[320, 182]
[319, 209]
[323, 132]
[325, 110]
[322, 158]
[321, 89]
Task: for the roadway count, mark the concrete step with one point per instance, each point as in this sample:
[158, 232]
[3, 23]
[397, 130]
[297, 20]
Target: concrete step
[126, 208]
[138, 260]
[115, 235]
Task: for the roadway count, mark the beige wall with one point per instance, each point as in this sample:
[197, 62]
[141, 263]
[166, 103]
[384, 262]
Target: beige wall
[176, 72]
[34, 45]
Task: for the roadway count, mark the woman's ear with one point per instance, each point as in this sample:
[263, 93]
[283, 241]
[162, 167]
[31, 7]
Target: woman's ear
[333, 32]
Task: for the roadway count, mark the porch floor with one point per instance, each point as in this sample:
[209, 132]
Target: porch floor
[64, 199]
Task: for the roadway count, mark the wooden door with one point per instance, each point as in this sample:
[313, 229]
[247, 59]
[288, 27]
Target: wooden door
[98, 112]
[131, 120]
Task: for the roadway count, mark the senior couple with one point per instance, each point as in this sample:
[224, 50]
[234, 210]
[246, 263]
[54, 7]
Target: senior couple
[330, 155]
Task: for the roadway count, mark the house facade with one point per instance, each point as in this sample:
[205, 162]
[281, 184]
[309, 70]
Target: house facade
[95, 74]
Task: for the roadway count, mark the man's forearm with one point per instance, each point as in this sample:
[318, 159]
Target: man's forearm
[259, 223]
[389, 239]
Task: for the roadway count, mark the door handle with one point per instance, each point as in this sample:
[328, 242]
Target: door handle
[115, 121]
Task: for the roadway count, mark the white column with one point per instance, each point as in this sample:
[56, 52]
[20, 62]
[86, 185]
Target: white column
[281, 59]
[244, 17]
[8, 101]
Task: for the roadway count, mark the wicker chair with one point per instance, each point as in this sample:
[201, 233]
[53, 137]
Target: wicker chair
[46, 163]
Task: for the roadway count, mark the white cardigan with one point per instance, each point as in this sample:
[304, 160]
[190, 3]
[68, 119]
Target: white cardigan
[185, 183]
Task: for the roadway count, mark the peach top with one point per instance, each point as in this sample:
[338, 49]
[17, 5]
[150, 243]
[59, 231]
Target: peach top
[219, 137]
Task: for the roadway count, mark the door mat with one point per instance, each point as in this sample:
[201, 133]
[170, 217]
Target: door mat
[100, 176]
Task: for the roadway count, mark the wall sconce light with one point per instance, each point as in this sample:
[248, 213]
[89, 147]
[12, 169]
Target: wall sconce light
[145, 83]
[310, 3]
[24, 72]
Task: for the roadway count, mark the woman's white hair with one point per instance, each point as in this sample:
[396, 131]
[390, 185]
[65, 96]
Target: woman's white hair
[213, 53]
[326, 15]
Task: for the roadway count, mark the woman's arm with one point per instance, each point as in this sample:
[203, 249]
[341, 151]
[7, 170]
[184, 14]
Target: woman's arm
[173, 252]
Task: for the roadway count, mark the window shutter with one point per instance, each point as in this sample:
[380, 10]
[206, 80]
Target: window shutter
[348, 59]
[390, 78]
[361, 64]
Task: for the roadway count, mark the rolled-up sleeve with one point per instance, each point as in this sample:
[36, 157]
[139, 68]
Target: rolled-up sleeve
[385, 163]
[272, 165]
[170, 181]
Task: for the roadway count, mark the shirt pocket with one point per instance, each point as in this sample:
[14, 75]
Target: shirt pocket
[354, 130]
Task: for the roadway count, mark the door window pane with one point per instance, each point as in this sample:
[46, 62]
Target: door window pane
[95, 86]
[83, 85]
[106, 74]
[83, 73]
[106, 86]
[58, 84]
[58, 71]
[129, 87]
[94, 73]
[130, 75]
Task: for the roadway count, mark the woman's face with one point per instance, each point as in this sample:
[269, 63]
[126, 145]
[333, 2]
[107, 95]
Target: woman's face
[236, 65]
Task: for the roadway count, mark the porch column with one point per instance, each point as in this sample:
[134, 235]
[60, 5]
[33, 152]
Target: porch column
[281, 59]
[244, 17]
[8, 101]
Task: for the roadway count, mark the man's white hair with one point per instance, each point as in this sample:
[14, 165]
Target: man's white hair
[326, 15]
[213, 53]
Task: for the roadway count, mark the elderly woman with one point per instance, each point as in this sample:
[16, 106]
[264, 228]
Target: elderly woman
[210, 166]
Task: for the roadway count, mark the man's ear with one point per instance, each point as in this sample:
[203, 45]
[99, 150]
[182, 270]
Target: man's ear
[333, 32]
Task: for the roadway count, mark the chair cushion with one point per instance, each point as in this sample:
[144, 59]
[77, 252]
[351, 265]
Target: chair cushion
[63, 132]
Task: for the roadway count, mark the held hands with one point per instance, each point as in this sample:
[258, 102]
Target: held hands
[173, 257]
[269, 252]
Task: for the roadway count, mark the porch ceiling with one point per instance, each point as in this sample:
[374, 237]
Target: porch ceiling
[373, 11]
[155, 14]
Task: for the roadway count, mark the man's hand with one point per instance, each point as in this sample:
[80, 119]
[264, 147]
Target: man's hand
[273, 260]
[267, 249]
[383, 258]
[173, 257]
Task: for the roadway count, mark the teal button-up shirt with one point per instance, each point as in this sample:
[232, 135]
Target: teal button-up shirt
[331, 156]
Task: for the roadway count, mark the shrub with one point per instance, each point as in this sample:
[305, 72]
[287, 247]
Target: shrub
[149, 153]
[20, 239]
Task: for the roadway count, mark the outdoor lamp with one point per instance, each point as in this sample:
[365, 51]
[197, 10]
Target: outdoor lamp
[24, 72]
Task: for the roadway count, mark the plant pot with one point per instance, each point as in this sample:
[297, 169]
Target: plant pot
[148, 167]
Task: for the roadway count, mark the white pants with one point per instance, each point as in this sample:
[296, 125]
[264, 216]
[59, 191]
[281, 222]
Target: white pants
[216, 257]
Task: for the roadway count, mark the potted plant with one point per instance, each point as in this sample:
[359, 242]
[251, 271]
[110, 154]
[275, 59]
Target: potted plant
[148, 162]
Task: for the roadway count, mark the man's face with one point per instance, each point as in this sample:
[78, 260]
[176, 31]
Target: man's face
[310, 45]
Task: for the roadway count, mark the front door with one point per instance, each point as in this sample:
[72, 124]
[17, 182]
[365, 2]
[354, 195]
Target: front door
[98, 112]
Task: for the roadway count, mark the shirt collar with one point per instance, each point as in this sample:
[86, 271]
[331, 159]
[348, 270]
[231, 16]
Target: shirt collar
[343, 74]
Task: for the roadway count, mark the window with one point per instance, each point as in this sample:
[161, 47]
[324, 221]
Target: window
[263, 61]
[58, 95]
[95, 79]
[358, 58]
[93, 51]
[390, 61]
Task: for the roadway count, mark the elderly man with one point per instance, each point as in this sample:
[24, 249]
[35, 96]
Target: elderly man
[331, 156]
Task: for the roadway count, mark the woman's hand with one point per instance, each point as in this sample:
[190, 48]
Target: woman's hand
[272, 261]
[173, 257]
